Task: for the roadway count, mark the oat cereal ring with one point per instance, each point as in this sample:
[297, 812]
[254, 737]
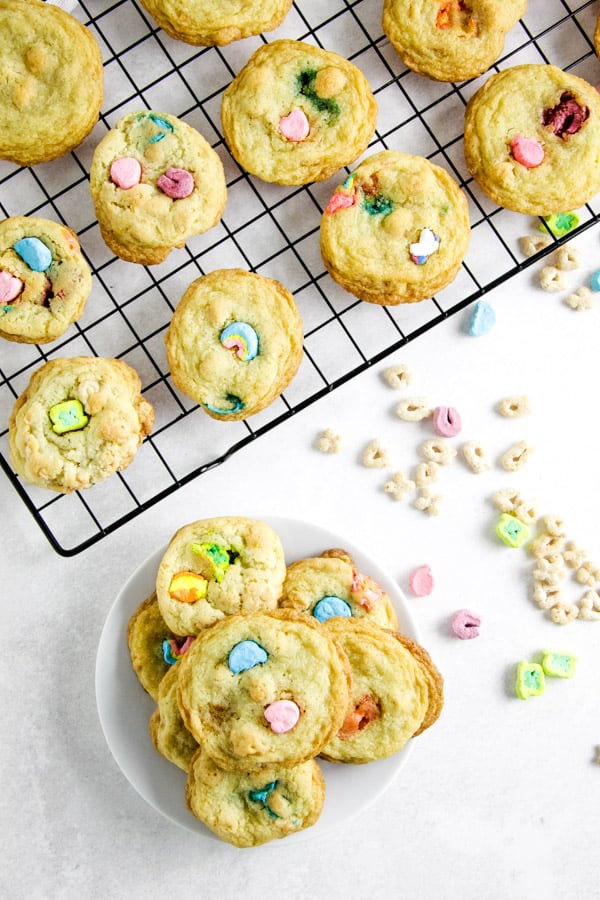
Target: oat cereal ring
[437, 450]
[549, 573]
[399, 486]
[589, 606]
[506, 500]
[547, 596]
[526, 511]
[329, 441]
[588, 574]
[552, 279]
[511, 407]
[428, 502]
[531, 244]
[427, 473]
[583, 298]
[545, 545]
[568, 258]
[563, 613]
[475, 456]
[414, 410]
[573, 555]
[375, 456]
[398, 376]
[516, 456]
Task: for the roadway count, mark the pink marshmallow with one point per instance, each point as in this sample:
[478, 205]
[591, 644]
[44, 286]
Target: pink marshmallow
[282, 715]
[465, 624]
[126, 172]
[339, 200]
[294, 126]
[176, 183]
[446, 421]
[10, 287]
[421, 581]
[527, 151]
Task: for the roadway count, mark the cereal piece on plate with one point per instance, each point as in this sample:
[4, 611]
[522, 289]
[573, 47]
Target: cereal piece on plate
[398, 377]
[439, 451]
[531, 244]
[546, 596]
[587, 573]
[475, 456]
[581, 299]
[589, 606]
[516, 456]
[375, 456]
[545, 545]
[413, 409]
[563, 613]
[427, 473]
[512, 407]
[399, 486]
[329, 442]
[573, 555]
[428, 502]
[552, 279]
[568, 258]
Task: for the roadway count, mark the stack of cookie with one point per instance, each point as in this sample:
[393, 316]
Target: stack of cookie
[259, 669]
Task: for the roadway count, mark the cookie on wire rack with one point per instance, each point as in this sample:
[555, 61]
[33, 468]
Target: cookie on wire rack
[216, 22]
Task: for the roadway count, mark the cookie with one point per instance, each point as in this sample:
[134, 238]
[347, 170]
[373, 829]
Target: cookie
[297, 113]
[450, 40]
[155, 182]
[44, 279]
[215, 567]
[395, 690]
[330, 585]
[153, 647]
[213, 23]
[234, 342]
[532, 139]
[78, 421]
[169, 735]
[262, 689]
[247, 809]
[396, 230]
[51, 89]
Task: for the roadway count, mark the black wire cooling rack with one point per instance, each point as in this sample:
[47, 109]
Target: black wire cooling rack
[266, 228]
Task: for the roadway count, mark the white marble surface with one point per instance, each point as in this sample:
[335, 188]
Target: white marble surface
[500, 798]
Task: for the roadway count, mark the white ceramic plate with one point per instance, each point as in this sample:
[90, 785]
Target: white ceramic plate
[125, 708]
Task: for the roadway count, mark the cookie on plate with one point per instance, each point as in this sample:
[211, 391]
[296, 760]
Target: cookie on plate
[396, 230]
[44, 279]
[234, 342]
[262, 689]
[216, 22]
[396, 692]
[449, 40]
[247, 809]
[155, 182]
[215, 567]
[153, 647]
[532, 139]
[297, 113]
[169, 735]
[330, 585]
[78, 421]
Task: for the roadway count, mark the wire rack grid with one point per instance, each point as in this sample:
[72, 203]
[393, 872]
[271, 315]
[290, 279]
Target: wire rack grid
[269, 229]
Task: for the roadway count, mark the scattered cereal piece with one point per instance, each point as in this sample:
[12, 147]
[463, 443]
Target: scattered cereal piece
[375, 456]
[573, 555]
[545, 545]
[511, 407]
[398, 376]
[446, 421]
[516, 456]
[558, 665]
[587, 574]
[563, 613]
[531, 244]
[475, 456]
[554, 526]
[511, 530]
[595, 280]
[329, 442]
[526, 511]
[438, 451]
[413, 410]
[589, 606]
[421, 581]
[483, 319]
[549, 573]
[581, 299]
[428, 502]
[559, 223]
[506, 500]
[552, 279]
[465, 624]
[427, 473]
[568, 258]
[399, 486]
[546, 596]
[530, 680]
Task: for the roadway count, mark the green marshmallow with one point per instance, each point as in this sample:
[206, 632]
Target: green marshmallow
[512, 531]
[67, 416]
[558, 665]
[530, 680]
